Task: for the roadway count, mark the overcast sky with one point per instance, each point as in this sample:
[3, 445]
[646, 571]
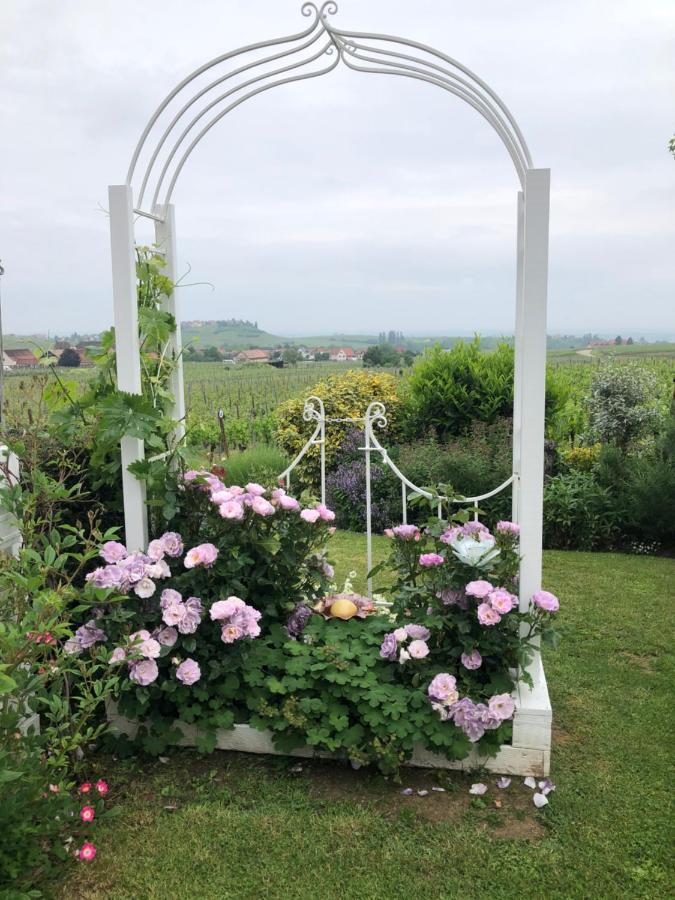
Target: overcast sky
[348, 202]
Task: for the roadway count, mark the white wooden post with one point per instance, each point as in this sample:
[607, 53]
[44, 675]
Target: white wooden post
[531, 369]
[128, 354]
[517, 371]
[165, 238]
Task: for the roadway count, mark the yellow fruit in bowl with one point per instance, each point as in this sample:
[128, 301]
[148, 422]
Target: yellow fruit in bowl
[343, 609]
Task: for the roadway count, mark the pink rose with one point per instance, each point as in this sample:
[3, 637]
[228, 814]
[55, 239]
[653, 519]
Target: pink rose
[309, 515]
[223, 609]
[256, 489]
[472, 660]
[428, 560]
[326, 514]
[418, 649]
[502, 706]
[478, 589]
[262, 507]
[231, 509]
[487, 615]
[289, 503]
[546, 601]
[502, 601]
[188, 672]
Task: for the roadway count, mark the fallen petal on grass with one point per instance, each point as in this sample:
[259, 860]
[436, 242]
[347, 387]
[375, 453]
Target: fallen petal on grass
[530, 782]
[407, 792]
[503, 783]
[478, 788]
[422, 793]
[546, 786]
[439, 790]
[539, 800]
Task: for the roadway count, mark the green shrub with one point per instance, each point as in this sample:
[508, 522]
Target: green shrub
[261, 463]
[579, 513]
[344, 396]
[473, 463]
[449, 390]
[622, 404]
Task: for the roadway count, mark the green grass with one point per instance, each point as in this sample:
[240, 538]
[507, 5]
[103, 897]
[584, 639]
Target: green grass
[248, 827]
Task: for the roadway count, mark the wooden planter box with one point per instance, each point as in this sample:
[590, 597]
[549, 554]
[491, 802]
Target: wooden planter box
[529, 753]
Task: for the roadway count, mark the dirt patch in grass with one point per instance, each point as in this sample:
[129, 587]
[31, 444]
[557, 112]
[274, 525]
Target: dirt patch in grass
[644, 663]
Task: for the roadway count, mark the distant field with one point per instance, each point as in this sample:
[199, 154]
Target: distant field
[662, 350]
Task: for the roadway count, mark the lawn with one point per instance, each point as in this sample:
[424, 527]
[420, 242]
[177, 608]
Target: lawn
[231, 826]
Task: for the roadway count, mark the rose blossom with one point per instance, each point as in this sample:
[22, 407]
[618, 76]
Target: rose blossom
[158, 569]
[502, 601]
[472, 660]
[326, 514]
[87, 813]
[144, 588]
[188, 672]
[173, 614]
[427, 560]
[117, 656]
[289, 503]
[443, 687]
[487, 615]
[389, 646]
[156, 549]
[102, 786]
[231, 633]
[89, 634]
[406, 532]
[418, 632]
[202, 554]
[501, 706]
[507, 528]
[309, 515]
[150, 648]
[172, 543]
[418, 649]
[144, 672]
[223, 609]
[231, 509]
[169, 597]
[256, 489]
[113, 551]
[546, 601]
[167, 637]
[401, 634]
[85, 787]
[262, 507]
[478, 589]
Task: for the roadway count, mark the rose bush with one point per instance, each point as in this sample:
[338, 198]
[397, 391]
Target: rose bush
[246, 627]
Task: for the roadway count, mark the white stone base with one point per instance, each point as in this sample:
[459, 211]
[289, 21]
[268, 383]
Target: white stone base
[528, 754]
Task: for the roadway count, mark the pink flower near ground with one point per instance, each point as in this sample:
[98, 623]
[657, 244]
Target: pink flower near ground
[85, 787]
[507, 528]
[502, 706]
[87, 813]
[309, 515]
[102, 786]
[256, 489]
[546, 601]
[86, 852]
[428, 560]
[487, 615]
[478, 589]
[188, 672]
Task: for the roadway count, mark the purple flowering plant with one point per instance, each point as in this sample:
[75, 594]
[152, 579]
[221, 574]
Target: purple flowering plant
[195, 601]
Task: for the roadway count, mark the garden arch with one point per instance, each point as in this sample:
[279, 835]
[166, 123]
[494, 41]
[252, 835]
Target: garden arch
[202, 99]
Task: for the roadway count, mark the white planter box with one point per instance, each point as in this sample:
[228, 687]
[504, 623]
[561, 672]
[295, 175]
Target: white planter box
[528, 754]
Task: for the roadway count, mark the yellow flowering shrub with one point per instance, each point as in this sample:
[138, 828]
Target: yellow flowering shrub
[345, 396]
[581, 459]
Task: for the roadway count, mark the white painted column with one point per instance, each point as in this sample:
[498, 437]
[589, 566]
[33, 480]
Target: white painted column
[165, 238]
[128, 354]
[518, 367]
[531, 366]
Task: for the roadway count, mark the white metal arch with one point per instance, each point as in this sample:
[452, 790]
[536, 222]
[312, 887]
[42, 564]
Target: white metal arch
[205, 97]
[180, 122]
